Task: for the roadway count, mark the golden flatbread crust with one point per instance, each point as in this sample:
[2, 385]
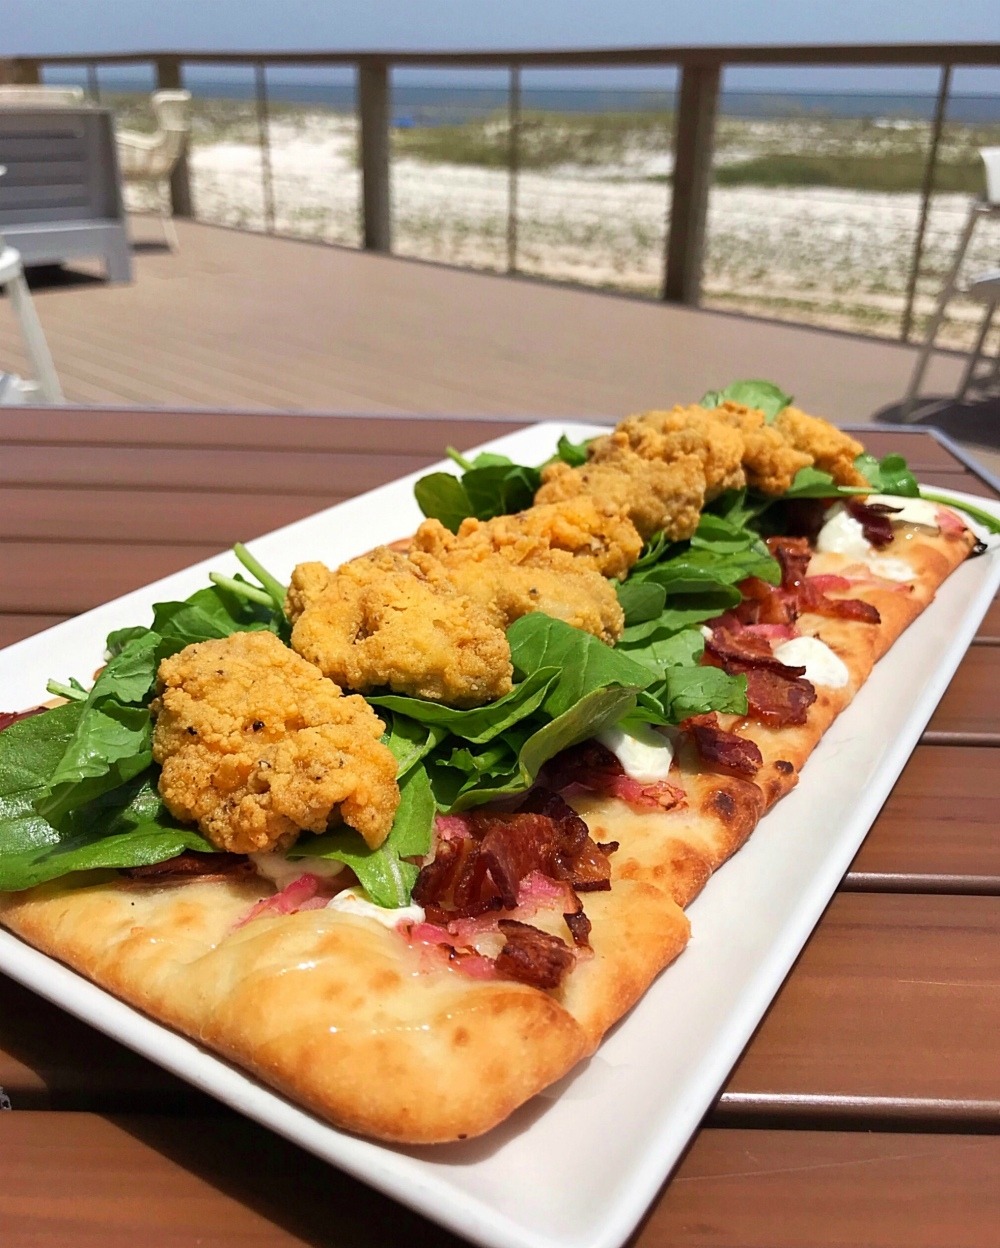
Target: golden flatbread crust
[380, 1037]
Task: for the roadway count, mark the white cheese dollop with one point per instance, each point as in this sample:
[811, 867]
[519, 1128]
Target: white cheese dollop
[281, 869]
[353, 901]
[823, 667]
[841, 534]
[908, 510]
[644, 752]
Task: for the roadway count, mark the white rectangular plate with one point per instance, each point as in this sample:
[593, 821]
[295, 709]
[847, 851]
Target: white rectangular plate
[577, 1167]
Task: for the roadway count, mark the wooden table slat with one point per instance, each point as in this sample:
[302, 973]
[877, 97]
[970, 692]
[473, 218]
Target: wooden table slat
[892, 1010]
[937, 831]
[111, 1182]
[968, 711]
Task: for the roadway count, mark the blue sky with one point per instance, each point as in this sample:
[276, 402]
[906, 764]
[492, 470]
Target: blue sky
[58, 26]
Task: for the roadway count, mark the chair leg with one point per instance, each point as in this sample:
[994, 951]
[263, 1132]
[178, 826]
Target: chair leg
[906, 411]
[167, 217]
[975, 353]
[34, 339]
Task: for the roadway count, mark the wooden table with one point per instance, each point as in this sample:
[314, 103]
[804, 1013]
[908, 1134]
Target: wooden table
[865, 1109]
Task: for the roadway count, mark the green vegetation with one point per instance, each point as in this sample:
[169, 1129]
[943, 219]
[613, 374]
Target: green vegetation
[545, 141]
[903, 172]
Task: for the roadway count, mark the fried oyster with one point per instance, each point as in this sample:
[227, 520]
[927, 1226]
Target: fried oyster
[256, 746]
[513, 574]
[382, 620]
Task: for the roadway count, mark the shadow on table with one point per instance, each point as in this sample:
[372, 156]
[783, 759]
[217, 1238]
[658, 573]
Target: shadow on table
[975, 421]
[280, 1183]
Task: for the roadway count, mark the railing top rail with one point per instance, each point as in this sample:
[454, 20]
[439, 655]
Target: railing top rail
[775, 54]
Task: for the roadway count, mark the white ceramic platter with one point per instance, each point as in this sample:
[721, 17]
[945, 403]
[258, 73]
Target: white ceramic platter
[577, 1167]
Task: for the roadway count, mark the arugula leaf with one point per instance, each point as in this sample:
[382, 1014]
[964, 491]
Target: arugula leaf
[485, 459]
[499, 489]
[697, 690]
[572, 453]
[112, 740]
[765, 396]
[128, 827]
[410, 741]
[585, 663]
[641, 600]
[441, 496]
[119, 639]
[662, 650]
[384, 873]
[890, 475]
[479, 723]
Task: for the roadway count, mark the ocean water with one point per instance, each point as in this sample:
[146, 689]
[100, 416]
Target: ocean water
[440, 105]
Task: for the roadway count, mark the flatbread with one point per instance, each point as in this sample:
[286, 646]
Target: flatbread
[381, 1037]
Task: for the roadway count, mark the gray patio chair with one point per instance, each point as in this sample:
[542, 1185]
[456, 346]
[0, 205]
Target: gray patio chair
[45, 387]
[984, 287]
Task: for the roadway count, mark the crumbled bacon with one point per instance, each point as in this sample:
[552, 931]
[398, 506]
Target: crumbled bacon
[484, 871]
[813, 599]
[189, 865]
[776, 701]
[579, 928]
[875, 520]
[793, 555]
[593, 768]
[532, 956]
[7, 718]
[738, 652]
[721, 748]
[763, 604]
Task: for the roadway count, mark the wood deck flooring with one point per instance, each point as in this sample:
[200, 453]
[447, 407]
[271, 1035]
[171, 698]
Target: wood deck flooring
[238, 320]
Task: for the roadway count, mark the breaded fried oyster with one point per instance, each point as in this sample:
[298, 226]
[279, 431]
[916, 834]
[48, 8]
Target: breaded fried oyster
[598, 534]
[257, 746]
[832, 450]
[518, 576]
[381, 620]
[653, 494]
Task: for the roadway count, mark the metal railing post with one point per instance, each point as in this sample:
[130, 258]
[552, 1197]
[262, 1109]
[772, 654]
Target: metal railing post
[93, 82]
[940, 109]
[693, 143]
[264, 135]
[513, 163]
[373, 106]
[168, 77]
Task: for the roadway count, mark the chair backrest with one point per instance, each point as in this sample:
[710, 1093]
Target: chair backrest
[61, 166]
[41, 97]
[991, 159]
[171, 110]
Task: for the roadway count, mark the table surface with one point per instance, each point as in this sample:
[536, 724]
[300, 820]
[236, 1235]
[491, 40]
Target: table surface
[865, 1109]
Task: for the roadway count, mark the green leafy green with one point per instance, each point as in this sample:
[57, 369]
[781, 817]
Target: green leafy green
[480, 723]
[442, 496]
[890, 475]
[765, 396]
[572, 453]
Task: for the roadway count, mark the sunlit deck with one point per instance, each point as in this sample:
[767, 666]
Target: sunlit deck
[238, 320]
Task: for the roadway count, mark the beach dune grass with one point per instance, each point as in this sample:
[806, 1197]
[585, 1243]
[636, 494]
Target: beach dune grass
[545, 140]
[903, 171]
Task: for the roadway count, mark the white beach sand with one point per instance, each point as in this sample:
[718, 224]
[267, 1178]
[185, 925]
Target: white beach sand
[832, 257]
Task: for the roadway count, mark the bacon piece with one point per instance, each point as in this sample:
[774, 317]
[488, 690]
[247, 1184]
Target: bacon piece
[776, 701]
[7, 718]
[532, 956]
[721, 748]
[290, 899]
[813, 599]
[593, 768]
[189, 865]
[875, 520]
[451, 827]
[579, 928]
[483, 871]
[739, 652]
[793, 555]
[764, 604]
[828, 580]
